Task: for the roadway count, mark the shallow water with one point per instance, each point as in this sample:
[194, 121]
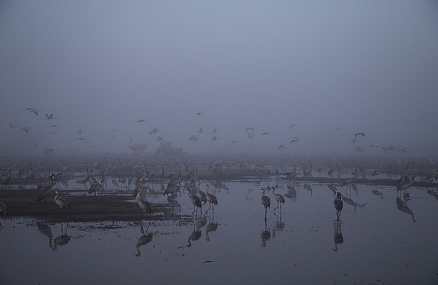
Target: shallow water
[376, 243]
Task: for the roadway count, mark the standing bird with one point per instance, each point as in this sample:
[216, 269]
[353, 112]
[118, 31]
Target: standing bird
[195, 201]
[46, 188]
[338, 203]
[377, 172]
[266, 202]
[406, 183]
[212, 200]
[95, 187]
[142, 203]
[201, 194]
[61, 202]
[278, 197]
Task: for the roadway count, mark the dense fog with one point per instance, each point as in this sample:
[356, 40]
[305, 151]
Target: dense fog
[269, 77]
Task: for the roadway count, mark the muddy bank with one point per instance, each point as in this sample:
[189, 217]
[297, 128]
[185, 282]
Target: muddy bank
[23, 203]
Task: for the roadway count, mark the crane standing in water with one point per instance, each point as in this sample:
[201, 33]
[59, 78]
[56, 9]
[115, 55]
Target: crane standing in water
[61, 202]
[195, 201]
[142, 203]
[278, 197]
[338, 203]
[266, 202]
[212, 200]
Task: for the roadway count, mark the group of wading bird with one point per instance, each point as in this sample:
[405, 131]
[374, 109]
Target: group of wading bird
[199, 198]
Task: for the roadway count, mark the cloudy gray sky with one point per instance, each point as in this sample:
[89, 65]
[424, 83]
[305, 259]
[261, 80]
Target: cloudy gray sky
[362, 66]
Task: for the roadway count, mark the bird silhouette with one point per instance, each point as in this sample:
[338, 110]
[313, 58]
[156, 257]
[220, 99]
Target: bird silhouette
[50, 117]
[278, 197]
[266, 202]
[26, 129]
[196, 202]
[338, 203]
[142, 202]
[61, 202]
[212, 200]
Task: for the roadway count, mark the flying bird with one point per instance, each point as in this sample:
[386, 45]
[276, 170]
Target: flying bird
[247, 129]
[213, 139]
[12, 126]
[200, 131]
[215, 129]
[193, 138]
[49, 117]
[26, 129]
[292, 126]
[79, 131]
[281, 146]
[265, 133]
[295, 139]
[154, 131]
[359, 134]
[141, 121]
[199, 113]
[32, 110]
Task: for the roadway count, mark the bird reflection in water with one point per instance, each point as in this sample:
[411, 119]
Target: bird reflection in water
[377, 192]
[338, 237]
[265, 235]
[403, 206]
[433, 193]
[61, 240]
[197, 226]
[308, 188]
[279, 225]
[211, 227]
[144, 239]
[171, 199]
[348, 200]
[45, 230]
[291, 193]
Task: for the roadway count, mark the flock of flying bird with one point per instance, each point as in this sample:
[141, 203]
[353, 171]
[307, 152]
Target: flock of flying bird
[249, 133]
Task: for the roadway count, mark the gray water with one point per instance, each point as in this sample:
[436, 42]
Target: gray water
[376, 243]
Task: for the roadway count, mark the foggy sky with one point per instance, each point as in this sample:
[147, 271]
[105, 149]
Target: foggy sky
[366, 66]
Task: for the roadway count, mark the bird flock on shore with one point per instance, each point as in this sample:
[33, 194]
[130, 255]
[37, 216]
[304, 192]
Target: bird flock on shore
[198, 191]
